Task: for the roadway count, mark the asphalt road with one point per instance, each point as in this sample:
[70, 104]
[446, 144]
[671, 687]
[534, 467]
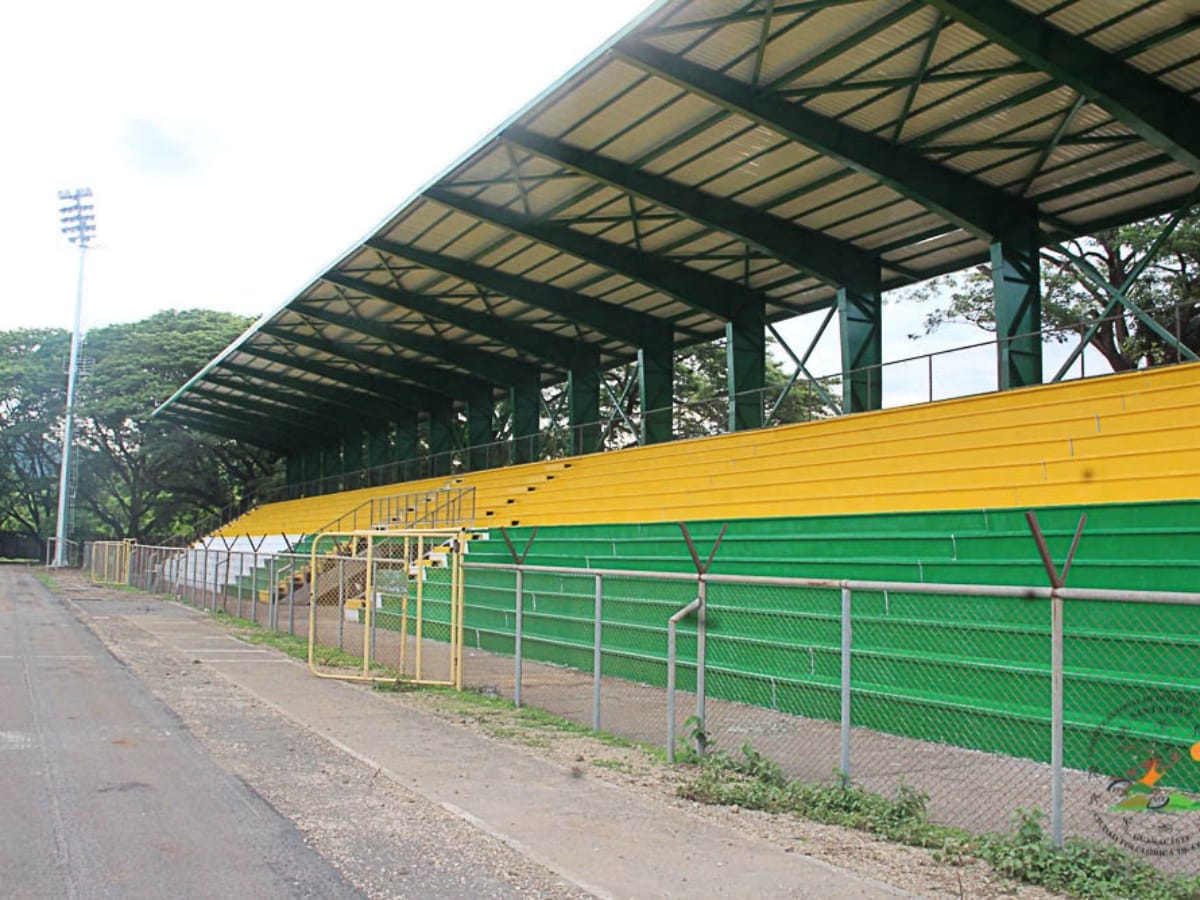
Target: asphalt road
[104, 794]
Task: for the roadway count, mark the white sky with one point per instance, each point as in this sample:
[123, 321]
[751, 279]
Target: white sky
[235, 148]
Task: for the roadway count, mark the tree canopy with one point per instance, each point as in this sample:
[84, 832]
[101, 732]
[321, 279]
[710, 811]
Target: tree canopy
[135, 477]
[1168, 290]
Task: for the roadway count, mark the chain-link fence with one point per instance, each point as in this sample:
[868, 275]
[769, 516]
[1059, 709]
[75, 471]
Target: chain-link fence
[978, 697]
[988, 699]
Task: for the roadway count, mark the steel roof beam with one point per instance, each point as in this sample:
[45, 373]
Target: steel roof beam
[251, 425]
[438, 381]
[344, 397]
[616, 322]
[831, 260]
[376, 385]
[221, 428]
[476, 361]
[292, 410]
[1147, 106]
[555, 350]
[698, 289]
[969, 203]
[252, 418]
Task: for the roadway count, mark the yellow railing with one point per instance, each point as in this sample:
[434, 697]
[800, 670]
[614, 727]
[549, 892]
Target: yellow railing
[110, 561]
[382, 587]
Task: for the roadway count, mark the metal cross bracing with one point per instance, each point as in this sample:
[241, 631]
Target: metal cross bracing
[720, 167]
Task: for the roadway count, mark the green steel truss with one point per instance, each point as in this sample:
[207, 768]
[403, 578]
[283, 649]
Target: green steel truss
[712, 171]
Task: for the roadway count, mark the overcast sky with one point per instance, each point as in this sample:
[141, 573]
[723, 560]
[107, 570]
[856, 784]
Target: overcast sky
[236, 148]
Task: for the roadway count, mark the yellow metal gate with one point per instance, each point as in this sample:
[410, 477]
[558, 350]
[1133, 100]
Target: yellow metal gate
[110, 561]
[387, 606]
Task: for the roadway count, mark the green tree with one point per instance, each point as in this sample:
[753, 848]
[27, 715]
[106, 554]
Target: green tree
[32, 397]
[702, 389]
[141, 478]
[1169, 291]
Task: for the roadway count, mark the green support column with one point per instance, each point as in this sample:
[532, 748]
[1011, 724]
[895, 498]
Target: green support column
[352, 460]
[310, 464]
[378, 456]
[481, 412]
[331, 468]
[746, 365]
[656, 386]
[583, 404]
[294, 478]
[1017, 282]
[525, 400]
[441, 437]
[405, 448]
[860, 314]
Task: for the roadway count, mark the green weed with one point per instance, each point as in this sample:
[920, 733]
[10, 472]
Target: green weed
[1078, 868]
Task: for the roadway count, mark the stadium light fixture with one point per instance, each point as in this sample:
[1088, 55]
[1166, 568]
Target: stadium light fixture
[79, 225]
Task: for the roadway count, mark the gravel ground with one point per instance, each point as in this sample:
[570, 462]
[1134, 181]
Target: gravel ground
[390, 842]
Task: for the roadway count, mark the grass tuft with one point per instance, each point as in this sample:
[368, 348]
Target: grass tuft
[1078, 868]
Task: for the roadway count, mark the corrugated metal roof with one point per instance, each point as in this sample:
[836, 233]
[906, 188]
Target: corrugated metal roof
[599, 206]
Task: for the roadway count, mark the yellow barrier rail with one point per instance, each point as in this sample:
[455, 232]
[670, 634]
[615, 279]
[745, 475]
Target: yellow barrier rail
[110, 561]
[399, 593]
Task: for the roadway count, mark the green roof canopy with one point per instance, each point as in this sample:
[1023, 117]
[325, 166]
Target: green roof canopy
[719, 153]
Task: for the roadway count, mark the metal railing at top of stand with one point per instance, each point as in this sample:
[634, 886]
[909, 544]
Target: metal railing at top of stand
[562, 442]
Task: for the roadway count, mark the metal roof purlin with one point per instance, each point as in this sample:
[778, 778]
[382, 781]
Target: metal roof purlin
[699, 290]
[617, 322]
[345, 397]
[256, 423]
[376, 385]
[439, 381]
[474, 360]
[225, 428]
[971, 204]
[831, 260]
[1146, 105]
[274, 405]
[265, 405]
[555, 350]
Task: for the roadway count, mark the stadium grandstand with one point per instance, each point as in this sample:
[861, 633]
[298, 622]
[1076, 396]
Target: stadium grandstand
[714, 170]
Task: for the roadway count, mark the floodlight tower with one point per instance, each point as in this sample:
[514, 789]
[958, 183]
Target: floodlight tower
[79, 225]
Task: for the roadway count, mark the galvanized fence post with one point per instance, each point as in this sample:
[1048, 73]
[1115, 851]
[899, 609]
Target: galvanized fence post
[1058, 580]
[205, 596]
[254, 587]
[597, 650]
[701, 606]
[847, 643]
[519, 627]
[672, 659]
[671, 690]
[341, 563]
[292, 597]
[241, 561]
[270, 610]
[1056, 718]
[702, 663]
[519, 624]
